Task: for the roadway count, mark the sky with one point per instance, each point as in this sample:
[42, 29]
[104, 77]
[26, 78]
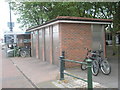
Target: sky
[4, 19]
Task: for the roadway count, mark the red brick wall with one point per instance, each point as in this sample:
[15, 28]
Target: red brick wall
[73, 39]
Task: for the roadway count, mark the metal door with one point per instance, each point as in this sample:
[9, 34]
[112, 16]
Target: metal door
[47, 44]
[56, 46]
[98, 37]
[34, 45]
[31, 43]
[40, 45]
[37, 44]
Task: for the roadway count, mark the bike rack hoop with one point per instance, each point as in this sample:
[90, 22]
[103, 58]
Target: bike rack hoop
[88, 63]
[67, 60]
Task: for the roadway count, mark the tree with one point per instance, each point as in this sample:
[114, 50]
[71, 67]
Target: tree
[116, 26]
[35, 13]
[30, 14]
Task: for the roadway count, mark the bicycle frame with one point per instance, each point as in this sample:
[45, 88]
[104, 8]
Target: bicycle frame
[98, 62]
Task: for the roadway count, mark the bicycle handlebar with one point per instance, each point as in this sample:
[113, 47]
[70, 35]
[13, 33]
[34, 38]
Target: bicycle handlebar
[88, 49]
[94, 52]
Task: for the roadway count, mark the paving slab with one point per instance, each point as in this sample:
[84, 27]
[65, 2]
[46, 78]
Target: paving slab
[12, 77]
[45, 75]
[37, 71]
[47, 84]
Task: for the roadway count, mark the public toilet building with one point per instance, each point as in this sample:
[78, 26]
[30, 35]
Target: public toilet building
[68, 34]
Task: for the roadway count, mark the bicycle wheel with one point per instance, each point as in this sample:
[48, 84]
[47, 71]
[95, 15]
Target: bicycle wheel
[23, 53]
[95, 67]
[83, 66]
[105, 67]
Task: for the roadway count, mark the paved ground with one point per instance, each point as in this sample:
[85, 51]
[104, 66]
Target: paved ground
[31, 72]
[42, 73]
[0, 68]
[110, 81]
[38, 72]
[11, 76]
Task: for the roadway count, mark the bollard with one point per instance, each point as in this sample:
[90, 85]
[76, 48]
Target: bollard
[62, 65]
[30, 52]
[89, 65]
[15, 51]
[63, 54]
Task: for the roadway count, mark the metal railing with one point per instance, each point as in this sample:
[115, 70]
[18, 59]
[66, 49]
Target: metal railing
[89, 73]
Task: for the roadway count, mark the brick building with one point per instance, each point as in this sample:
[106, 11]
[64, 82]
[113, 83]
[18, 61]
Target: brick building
[69, 34]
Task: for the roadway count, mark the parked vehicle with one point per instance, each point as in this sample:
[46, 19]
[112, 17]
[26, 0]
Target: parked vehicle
[25, 51]
[19, 51]
[10, 52]
[97, 63]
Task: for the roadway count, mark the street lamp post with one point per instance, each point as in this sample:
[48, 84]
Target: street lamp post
[11, 24]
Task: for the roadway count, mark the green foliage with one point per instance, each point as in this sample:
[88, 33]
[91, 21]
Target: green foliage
[116, 19]
[30, 14]
[35, 13]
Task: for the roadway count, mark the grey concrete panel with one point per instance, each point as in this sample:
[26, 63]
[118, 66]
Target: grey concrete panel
[47, 44]
[40, 45]
[56, 45]
[97, 37]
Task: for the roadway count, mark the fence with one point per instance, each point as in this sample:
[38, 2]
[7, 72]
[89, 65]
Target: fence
[89, 73]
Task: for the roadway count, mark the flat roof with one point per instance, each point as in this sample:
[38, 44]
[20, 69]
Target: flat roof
[83, 19]
[70, 19]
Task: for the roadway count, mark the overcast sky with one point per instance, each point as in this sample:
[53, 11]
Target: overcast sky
[4, 18]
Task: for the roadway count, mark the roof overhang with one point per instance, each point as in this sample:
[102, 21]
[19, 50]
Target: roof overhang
[56, 21]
